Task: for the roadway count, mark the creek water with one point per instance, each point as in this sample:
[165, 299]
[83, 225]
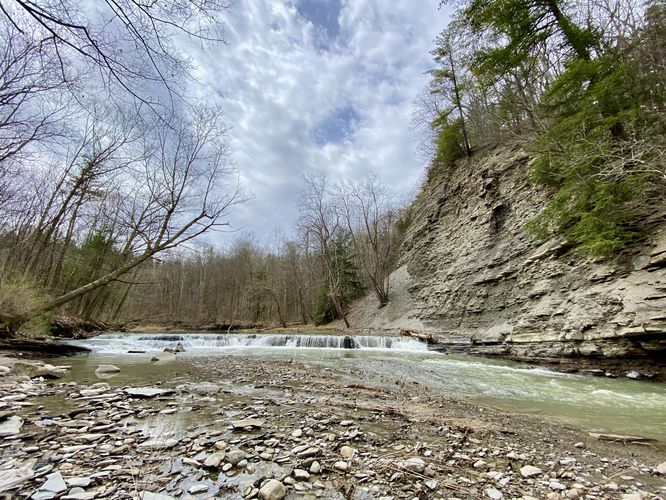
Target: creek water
[591, 403]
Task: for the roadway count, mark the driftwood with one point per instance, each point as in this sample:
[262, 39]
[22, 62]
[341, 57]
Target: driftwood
[618, 438]
[426, 337]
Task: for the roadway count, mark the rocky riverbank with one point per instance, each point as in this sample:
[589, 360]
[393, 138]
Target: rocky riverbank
[231, 427]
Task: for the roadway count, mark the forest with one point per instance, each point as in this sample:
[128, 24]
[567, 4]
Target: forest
[112, 169]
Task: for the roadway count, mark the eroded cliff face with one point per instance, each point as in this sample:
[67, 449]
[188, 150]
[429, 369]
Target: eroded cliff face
[472, 276]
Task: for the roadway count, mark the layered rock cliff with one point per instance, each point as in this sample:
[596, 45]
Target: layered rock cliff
[472, 276]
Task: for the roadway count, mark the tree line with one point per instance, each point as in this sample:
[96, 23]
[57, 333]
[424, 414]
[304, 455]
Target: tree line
[344, 245]
[111, 169]
[581, 85]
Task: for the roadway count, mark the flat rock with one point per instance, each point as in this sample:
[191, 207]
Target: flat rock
[272, 490]
[247, 422]
[35, 370]
[78, 481]
[414, 464]
[107, 369]
[11, 427]
[11, 478]
[530, 471]
[54, 484]
[147, 392]
[148, 495]
[197, 488]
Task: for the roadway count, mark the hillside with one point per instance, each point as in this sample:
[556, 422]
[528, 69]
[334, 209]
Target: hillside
[470, 274]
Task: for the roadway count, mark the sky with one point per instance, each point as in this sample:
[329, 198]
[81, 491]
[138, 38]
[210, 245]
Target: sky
[325, 85]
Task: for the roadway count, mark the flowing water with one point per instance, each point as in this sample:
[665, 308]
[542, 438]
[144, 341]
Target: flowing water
[591, 403]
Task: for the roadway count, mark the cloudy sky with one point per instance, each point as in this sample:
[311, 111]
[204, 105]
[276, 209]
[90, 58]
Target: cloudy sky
[320, 85]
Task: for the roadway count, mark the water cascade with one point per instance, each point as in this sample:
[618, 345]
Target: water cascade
[120, 341]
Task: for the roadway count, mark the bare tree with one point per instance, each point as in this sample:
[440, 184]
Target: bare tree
[132, 46]
[320, 220]
[370, 215]
[177, 194]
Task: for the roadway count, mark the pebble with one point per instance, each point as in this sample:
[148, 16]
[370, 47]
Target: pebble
[530, 471]
[347, 452]
[341, 466]
[235, 456]
[493, 493]
[661, 468]
[413, 464]
[315, 468]
[198, 488]
[272, 490]
[301, 475]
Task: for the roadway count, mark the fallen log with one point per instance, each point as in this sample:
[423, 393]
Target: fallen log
[426, 337]
[618, 438]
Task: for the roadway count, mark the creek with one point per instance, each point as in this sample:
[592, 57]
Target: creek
[594, 404]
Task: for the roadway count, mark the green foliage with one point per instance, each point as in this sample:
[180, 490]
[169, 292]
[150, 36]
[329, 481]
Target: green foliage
[593, 155]
[323, 312]
[19, 296]
[450, 146]
[519, 29]
[346, 276]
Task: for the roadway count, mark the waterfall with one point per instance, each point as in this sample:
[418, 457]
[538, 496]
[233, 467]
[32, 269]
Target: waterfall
[122, 341]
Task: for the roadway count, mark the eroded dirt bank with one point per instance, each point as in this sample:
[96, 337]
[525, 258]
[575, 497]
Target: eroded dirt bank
[231, 427]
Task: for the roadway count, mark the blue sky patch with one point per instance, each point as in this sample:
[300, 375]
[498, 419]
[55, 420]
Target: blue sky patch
[323, 14]
[337, 126]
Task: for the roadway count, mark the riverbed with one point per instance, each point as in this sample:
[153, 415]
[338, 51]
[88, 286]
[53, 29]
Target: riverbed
[249, 416]
[595, 404]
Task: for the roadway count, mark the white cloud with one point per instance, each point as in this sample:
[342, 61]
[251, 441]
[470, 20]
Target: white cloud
[278, 85]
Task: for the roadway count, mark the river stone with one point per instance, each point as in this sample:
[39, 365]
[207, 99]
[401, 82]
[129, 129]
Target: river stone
[530, 471]
[147, 392]
[107, 369]
[347, 452]
[661, 468]
[11, 427]
[315, 467]
[493, 493]
[633, 375]
[272, 490]
[78, 481]
[148, 495]
[301, 475]
[235, 456]
[213, 460]
[54, 484]
[12, 478]
[247, 422]
[414, 464]
[164, 357]
[341, 466]
[79, 494]
[297, 433]
[34, 370]
[4, 370]
[198, 488]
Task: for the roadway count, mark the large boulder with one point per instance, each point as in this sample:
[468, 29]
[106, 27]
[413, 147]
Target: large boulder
[34, 369]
